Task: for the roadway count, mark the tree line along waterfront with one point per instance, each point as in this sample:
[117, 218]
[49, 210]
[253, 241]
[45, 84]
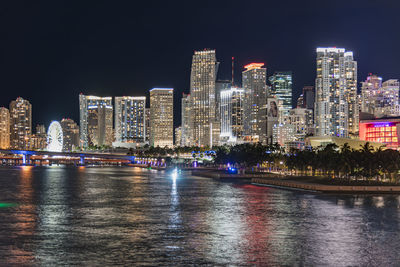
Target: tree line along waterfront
[332, 163]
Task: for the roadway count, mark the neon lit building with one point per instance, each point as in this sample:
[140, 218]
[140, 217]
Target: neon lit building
[383, 130]
[162, 117]
[254, 80]
[204, 124]
[4, 128]
[336, 107]
[130, 119]
[96, 120]
[20, 123]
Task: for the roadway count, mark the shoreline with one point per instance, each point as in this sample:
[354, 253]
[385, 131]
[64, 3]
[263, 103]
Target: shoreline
[293, 184]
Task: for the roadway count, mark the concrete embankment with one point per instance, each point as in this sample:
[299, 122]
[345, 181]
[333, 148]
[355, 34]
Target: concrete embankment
[221, 176]
[343, 189]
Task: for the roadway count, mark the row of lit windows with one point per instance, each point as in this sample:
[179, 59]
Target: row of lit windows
[381, 129]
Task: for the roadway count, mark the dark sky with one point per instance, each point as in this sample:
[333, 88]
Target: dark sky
[51, 51]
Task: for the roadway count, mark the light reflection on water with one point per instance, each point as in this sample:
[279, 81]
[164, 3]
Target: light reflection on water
[104, 216]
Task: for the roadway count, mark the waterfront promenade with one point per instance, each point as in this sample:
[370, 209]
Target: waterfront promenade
[285, 182]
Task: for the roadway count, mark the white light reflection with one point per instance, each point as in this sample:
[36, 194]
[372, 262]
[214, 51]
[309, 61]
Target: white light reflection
[175, 216]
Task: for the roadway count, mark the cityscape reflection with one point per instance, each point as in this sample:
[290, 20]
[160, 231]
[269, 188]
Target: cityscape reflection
[102, 216]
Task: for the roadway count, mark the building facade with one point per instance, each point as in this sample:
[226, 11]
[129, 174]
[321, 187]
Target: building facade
[186, 132]
[38, 141]
[380, 99]
[383, 130]
[281, 88]
[20, 123]
[254, 80]
[96, 121]
[147, 125]
[70, 134]
[232, 115]
[308, 97]
[178, 136]
[336, 108]
[284, 134]
[370, 88]
[4, 128]
[130, 119]
[302, 119]
[162, 117]
[204, 124]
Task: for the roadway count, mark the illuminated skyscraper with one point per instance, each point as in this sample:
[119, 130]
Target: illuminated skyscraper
[20, 123]
[281, 88]
[147, 125]
[186, 131]
[336, 108]
[254, 80]
[380, 99]
[38, 141]
[4, 128]
[205, 126]
[130, 121]
[178, 136]
[96, 120]
[70, 134]
[162, 117]
[231, 108]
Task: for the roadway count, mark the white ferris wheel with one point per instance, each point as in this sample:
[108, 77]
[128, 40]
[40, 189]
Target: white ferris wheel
[55, 137]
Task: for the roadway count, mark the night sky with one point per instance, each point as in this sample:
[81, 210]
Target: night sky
[52, 51]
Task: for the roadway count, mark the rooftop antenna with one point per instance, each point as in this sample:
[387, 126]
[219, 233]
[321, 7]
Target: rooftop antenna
[233, 67]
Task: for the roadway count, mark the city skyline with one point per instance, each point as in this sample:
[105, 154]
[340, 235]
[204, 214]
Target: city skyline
[84, 53]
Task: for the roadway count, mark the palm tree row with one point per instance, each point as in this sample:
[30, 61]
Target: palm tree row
[344, 162]
[329, 161]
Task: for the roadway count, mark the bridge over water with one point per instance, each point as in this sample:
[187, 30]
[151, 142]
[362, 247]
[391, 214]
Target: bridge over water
[29, 156]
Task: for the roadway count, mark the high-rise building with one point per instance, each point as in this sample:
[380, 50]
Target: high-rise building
[96, 120]
[231, 114]
[302, 119]
[370, 88]
[162, 117]
[20, 123]
[4, 128]
[38, 141]
[204, 124]
[130, 119]
[41, 129]
[70, 134]
[147, 125]
[186, 134]
[283, 134]
[255, 104]
[336, 108]
[308, 97]
[300, 101]
[380, 99]
[178, 136]
[281, 88]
